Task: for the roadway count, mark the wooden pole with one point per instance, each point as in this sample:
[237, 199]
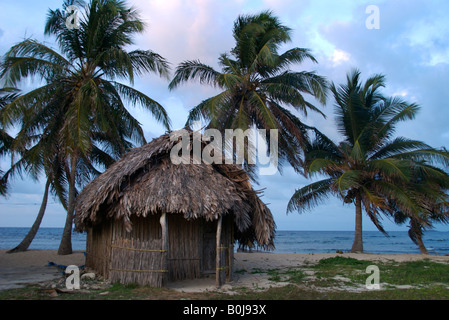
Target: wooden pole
[230, 252]
[218, 272]
[164, 254]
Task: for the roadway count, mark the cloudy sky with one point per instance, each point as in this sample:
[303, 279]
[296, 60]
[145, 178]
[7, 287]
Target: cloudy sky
[410, 47]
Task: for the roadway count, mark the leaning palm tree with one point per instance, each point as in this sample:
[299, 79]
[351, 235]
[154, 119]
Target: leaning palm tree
[81, 91]
[369, 168]
[257, 87]
[45, 157]
[29, 237]
[428, 187]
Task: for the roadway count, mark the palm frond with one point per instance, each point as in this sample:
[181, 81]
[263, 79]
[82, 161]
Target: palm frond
[149, 61]
[397, 146]
[31, 58]
[193, 70]
[310, 196]
[136, 97]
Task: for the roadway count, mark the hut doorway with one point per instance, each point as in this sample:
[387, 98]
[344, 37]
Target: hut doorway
[192, 248]
[208, 245]
[212, 250]
[184, 255]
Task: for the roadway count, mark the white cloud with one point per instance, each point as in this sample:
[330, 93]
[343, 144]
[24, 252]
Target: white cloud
[339, 56]
[402, 93]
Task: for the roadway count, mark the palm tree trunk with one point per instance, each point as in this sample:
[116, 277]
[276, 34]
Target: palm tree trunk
[65, 247]
[417, 233]
[23, 246]
[357, 246]
[422, 247]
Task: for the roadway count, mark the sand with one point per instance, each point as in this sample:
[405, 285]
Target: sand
[22, 268]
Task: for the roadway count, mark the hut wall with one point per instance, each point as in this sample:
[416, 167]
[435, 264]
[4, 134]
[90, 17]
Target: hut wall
[98, 248]
[184, 259]
[136, 256]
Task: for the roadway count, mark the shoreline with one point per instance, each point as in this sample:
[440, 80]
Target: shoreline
[286, 241]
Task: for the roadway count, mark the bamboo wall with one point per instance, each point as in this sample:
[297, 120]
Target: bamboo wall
[184, 255]
[98, 248]
[136, 256]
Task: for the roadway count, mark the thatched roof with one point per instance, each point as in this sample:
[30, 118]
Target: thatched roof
[146, 182]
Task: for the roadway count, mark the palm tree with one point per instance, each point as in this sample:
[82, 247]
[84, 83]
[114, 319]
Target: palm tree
[44, 156]
[8, 144]
[428, 186]
[369, 168]
[257, 87]
[81, 92]
[6, 96]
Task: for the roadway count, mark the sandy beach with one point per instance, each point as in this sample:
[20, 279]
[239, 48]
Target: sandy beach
[18, 269]
[32, 266]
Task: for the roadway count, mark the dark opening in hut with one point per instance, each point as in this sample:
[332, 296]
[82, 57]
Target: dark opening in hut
[150, 221]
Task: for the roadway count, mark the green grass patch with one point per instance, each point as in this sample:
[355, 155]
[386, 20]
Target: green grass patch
[350, 268]
[342, 261]
[295, 275]
[424, 272]
[276, 275]
[293, 292]
[257, 270]
[413, 273]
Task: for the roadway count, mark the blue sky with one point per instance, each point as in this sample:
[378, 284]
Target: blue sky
[411, 48]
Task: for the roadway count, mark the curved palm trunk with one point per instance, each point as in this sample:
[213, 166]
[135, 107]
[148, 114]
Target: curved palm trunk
[422, 247]
[417, 236]
[23, 246]
[65, 247]
[357, 246]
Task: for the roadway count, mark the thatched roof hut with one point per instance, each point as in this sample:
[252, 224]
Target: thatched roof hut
[151, 221]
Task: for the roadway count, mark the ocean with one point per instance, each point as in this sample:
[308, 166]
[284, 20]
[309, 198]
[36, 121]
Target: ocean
[286, 241]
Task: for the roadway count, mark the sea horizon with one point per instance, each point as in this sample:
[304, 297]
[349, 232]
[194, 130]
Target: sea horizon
[286, 241]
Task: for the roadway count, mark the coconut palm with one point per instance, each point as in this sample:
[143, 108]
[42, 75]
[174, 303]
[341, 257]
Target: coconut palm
[81, 91]
[8, 146]
[6, 96]
[45, 157]
[428, 186]
[370, 168]
[257, 88]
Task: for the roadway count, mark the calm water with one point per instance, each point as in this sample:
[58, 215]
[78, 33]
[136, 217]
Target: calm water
[286, 241]
[373, 242]
[46, 238]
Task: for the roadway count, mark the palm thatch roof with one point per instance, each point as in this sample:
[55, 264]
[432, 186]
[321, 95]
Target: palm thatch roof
[146, 182]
